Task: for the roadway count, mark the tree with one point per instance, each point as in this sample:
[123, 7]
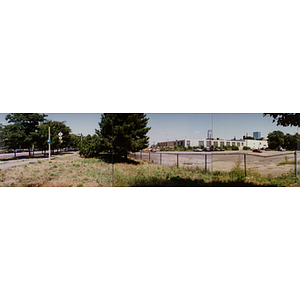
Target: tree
[75, 141]
[275, 139]
[287, 119]
[90, 146]
[2, 142]
[13, 137]
[122, 133]
[22, 130]
[55, 128]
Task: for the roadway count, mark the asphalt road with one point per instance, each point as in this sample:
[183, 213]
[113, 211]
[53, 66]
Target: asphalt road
[12, 163]
[18, 154]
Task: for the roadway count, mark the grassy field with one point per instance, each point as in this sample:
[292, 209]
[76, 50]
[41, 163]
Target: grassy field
[73, 171]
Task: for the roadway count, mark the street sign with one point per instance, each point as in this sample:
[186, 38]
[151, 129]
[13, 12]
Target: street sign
[49, 141]
[60, 134]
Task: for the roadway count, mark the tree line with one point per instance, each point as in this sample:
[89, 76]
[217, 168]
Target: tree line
[288, 141]
[118, 134]
[30, 131]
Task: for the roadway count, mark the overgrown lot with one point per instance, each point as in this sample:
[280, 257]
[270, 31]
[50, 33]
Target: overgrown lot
[73, 171]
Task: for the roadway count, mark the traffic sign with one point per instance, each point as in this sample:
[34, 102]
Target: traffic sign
[49, 141]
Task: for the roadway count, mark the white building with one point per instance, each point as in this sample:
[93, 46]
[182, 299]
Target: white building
[253, 144]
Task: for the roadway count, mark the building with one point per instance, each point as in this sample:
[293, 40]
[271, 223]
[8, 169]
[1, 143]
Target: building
[253, 144]
[257, 135]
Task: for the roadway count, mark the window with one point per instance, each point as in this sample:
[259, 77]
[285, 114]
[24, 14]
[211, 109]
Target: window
[227, 143]
[238, 144]
[201, 143]
[188, 143]
[215, 144]
[221, 144]
[233, 143]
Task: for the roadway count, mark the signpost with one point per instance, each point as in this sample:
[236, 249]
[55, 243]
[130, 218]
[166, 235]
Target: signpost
[60, 136]
[49, 142]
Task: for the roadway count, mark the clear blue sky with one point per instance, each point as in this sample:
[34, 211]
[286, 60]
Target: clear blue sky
[169, 126]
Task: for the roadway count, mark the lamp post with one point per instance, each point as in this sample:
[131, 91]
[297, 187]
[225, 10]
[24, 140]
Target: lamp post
[49, 140]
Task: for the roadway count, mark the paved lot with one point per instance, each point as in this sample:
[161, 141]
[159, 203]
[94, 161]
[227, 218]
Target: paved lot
[265, 163]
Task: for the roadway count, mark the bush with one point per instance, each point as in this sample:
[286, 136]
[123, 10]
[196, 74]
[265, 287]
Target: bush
[90, 147]
[246, 148]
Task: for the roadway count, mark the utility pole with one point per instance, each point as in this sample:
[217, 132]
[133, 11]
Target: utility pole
[49, 142]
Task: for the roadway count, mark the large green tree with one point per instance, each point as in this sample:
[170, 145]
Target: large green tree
[22, 130]
[2, 142]
[55, 128]
[121, 133]
[287, 119]
[89, 146]
[276, 139]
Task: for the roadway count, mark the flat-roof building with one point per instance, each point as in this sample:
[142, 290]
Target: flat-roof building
[253, 144]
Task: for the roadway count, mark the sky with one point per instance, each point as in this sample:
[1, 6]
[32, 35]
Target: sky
[172, 126]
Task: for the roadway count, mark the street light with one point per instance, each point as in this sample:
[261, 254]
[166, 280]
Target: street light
[49, 140]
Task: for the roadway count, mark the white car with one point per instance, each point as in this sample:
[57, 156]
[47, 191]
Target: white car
[198, 150]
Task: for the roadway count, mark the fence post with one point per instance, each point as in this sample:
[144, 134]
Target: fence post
[141, 157]
[160, 157]
[177, 161]
[149, 156]
[205, 163]
[245, 166]
[296, 167]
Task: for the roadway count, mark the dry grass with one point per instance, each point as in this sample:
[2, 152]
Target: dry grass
[60, 172]
[73, 171]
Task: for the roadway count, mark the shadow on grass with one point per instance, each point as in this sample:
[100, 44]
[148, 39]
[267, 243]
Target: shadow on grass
[108, 158]
[181, 182]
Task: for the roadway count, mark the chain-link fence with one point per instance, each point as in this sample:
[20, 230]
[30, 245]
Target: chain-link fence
[273, 163]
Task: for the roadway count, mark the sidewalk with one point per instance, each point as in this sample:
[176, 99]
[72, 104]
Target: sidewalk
[9, 164]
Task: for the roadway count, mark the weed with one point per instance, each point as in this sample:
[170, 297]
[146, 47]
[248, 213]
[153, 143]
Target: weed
[80, 185]
[38, 161]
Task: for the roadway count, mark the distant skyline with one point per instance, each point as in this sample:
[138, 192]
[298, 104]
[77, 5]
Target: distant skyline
[172, 126]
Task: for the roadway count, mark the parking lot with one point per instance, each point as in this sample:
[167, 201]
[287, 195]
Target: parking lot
[264, 163]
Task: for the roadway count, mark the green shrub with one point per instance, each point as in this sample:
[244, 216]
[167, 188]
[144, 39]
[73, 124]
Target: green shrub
[246, 148]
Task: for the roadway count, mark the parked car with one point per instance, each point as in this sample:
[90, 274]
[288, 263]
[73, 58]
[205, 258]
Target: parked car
[198, 150]
[257, 150]
[268, 149]
[9, 151]
[281, 149]
[19, 150]
[206, 149]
